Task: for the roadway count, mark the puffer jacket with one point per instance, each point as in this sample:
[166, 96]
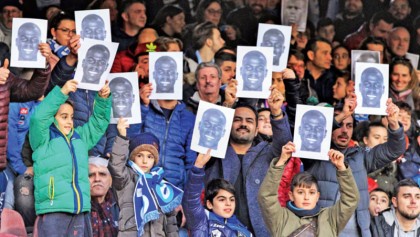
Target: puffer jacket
[61, 161]
[175, 155]
[198, 220]
[362, 162]
[282, 222]
[82, 101]
[254, 164]
[124, 180]
[18, 90]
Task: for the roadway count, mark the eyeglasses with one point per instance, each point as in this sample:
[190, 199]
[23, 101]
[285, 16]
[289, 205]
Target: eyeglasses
[214, 12]
[67, 31]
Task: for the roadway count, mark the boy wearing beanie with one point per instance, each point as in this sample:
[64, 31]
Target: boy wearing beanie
[147, 201]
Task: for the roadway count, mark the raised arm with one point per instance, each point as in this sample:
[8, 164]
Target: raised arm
[341, 212]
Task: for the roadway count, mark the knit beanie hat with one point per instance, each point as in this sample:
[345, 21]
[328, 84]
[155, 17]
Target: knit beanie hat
[13, 3]
[144, 142]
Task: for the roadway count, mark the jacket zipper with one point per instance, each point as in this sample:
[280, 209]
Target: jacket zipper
[75, 189]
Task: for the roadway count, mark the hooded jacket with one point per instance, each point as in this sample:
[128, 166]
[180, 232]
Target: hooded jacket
[61, 161]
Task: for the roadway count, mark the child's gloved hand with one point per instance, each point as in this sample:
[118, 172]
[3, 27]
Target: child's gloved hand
[337, 158]
[70, 86]
[105, 91]
[122, 126]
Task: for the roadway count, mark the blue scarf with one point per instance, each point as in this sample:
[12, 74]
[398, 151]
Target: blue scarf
[58, 49]
[232, 223]
[152, 196]
[302, 212]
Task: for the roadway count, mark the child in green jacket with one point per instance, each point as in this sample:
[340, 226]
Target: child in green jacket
[62, 189]
[302, 213]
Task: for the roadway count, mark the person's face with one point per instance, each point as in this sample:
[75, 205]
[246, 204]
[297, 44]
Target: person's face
[213, 13]
[377, 135]
[327, 32]
[173, 47]
[275, 41]
[93, 30]
[294, 11]
[406, 203]
[244, 126]
[100, 180]
[177, 22]
[223, 204]
[7, 15]
[339, 88]
[144, 64]
[253, 72]
[399, 41]
[381, 29]
[136, 15]
[353, 6]
[94, 65]
[405, 118]
[277, 82]
[257, 6]
[65, 30]
[302, 40]
[312, 132]
[400, 9]
[297, 65]
[371, 89]
[112, 6]
[27, 44]
[378, 202]
[341, 58]
[212, 129]
[228, 71]
[322, 56]
[217, 41]
[400, 77]
[122, 100]
[165, 75]
[64, 117]
[305, 198]
[208, 82]
[377, 47]
[342, 136]
[264, 125]
[144, 160]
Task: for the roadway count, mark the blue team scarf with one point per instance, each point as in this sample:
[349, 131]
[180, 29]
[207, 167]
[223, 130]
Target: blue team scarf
[153, 194]
[232, 223]
[58, 49]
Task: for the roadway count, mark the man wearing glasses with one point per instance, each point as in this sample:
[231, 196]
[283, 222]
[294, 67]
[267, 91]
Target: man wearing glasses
[95, 64]
[9, 9]
[93, 27]
[27, 41]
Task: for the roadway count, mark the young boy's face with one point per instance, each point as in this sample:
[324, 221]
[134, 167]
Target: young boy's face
[378, 202]
[223, 204]
[304, 198]
[64, 117]
[144, 160]
[405, 118]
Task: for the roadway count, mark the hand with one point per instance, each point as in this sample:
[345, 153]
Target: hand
[350, 103]
[184, 220]
[141, 72]
[74, 44]
[202, 159]
[288, 74]
[30, 170]
[275, 101]
[286, 153]
[122, 126]
[230, 32]
[230, 92]
[393, 113]
[105, 90]
[337, 158]
[4, 72]
[145, 92]
[70, 86]
[45, 50]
